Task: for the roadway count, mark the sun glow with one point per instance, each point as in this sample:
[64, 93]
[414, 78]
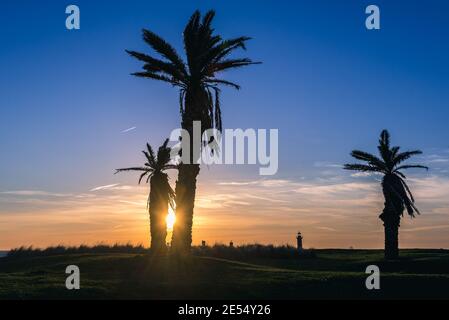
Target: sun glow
[171, 219]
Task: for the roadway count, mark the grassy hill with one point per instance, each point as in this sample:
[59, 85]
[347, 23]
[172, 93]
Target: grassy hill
[210, 274]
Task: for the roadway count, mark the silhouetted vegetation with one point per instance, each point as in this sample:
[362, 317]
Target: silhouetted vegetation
[396, 192]
[252, 251]
[161, 193]
[218, 250]
[82, 249]
[207, 54]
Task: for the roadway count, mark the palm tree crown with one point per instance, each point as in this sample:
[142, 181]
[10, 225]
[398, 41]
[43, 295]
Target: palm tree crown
[156, 167]
[390, 164]
[206, 54]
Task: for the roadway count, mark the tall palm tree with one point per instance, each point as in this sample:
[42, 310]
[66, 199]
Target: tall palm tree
[207, 55]
[396, 192]
[161, 193]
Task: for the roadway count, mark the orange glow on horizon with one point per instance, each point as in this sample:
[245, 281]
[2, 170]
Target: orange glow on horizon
[330, 215]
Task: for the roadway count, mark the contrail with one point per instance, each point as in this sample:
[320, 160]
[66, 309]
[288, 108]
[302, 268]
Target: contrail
[104, 187]
[129, 129]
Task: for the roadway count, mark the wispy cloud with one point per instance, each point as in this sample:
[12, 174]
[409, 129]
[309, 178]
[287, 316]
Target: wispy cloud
[435, 158]
[349, 188]
[106, 187]
[325, 164]
[438, 157]
[267, 183]
[29, 193]
[129, 130]
[234, 183]
[326, 228]
[364, 174]
[427, 228]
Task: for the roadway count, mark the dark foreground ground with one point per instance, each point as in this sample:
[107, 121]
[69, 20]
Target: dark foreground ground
[335, 274]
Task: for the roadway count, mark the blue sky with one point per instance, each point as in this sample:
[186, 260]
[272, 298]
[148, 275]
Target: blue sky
[328, 84]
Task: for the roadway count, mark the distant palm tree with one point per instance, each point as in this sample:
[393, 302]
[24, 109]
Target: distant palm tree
[396, 192]
[207, 55]
[161, 193]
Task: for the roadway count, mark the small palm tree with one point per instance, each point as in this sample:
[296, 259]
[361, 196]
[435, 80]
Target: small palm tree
[396, 192]
[207, 55]
[161, 193]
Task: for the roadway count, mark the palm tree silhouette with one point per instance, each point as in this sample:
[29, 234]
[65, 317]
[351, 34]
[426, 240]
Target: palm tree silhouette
[396, 192]
[161, 193]
[207, 54]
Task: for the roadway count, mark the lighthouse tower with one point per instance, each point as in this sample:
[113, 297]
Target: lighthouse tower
[299, 242]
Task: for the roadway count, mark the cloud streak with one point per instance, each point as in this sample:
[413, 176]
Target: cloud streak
[129, 130]
[106, 187]
[30, 193]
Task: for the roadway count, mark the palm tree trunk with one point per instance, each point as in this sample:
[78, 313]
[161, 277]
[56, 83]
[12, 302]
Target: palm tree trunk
[195, 102]
[158, 234]
[158, 214]
[391, 241]
[185, 202]
[391, 216]
[391, 220]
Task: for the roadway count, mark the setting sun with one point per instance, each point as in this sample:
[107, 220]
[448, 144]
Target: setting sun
[171, 219]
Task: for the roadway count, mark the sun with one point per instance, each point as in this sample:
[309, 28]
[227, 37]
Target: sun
[171, 219]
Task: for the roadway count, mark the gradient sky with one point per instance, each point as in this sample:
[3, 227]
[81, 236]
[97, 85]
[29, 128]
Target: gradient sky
[328, 84]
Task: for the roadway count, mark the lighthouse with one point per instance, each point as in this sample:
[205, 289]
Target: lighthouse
[299, 242]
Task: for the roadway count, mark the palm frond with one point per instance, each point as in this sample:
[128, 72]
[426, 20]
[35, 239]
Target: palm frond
[224, 82]
[165, 49]
[163, 155]
[218, 121]
[399, 173]
[154, 76]
[394, 152]
[182, 94]
[411, 166]
[405, 156]
[385, 138]
[384, 149]
[155, 66]
[226, 47]
[408, 189]
[361, 167]
[165, 144]
[132, 169]
[150, 173]
[401, 194]
[207, 19]
[370, 158]
[190, 36]
[205, 38]
[170, 167]
[211, 69]
[149, 154]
